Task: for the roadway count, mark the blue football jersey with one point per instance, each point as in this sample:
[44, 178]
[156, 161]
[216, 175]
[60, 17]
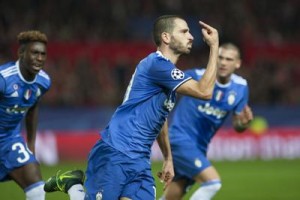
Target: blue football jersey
[149, 98]
[16, 96]
[198, 120]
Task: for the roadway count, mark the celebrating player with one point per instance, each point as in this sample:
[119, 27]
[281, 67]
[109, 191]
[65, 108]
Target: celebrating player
[196, 121]
[22, 84]
[119, 164]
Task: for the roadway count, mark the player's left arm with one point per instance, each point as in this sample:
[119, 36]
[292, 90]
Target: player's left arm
[242, 120]
[167, 173]
[243, 113]
[2, 85]
[31, 121]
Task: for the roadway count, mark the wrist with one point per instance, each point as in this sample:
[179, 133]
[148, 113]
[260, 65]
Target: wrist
[168, 159]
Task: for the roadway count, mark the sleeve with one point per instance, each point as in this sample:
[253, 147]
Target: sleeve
[166, 74]
[2, 85]
[45, 84]
[244, 100]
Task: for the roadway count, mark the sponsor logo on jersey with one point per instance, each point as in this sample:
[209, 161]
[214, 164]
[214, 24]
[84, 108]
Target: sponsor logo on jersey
[210, 110]
[17, 110]
[169, 105]
[14, 94]
[99, 196]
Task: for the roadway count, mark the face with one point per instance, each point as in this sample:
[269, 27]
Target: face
[181, 39]
[228, 62]
[32, 59]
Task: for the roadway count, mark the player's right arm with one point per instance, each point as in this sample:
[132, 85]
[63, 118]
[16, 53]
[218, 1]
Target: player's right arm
[203, 88]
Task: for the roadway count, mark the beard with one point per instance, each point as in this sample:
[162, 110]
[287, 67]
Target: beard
[178, 47]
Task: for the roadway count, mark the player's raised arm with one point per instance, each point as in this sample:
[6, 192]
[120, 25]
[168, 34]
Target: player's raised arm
[204, 87]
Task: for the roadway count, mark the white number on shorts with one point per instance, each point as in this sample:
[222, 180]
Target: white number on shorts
[21, 150]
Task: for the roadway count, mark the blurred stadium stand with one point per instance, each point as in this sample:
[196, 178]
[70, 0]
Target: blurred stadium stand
[95, 45]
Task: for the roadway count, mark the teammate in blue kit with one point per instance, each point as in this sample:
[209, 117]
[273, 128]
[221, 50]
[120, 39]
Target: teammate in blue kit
[22, 84]
[196, 121]
[119, 164]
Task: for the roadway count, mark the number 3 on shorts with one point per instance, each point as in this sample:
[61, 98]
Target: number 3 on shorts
[22, 150]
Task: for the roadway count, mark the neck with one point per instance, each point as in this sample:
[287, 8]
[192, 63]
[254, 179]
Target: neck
[26, 75]
[223, 80]
[169, 54]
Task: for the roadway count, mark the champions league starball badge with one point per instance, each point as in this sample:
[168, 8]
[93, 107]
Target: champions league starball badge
[177, 74]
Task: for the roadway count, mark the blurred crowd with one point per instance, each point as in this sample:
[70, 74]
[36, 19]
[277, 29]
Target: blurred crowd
[252, 25]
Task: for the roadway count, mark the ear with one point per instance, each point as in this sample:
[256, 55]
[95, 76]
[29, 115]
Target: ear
[21, 51]
[238, 64]
[165, 37]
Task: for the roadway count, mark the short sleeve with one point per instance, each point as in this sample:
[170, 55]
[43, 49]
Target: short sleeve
[244, 100]
[2, 85]
[166, 74]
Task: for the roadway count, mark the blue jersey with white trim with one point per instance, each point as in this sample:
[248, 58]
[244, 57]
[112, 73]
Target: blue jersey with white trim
[149, 98]
[198, 120]
[16, 96]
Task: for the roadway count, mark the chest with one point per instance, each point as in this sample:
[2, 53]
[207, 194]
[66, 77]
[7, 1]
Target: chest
[20, 94]
[225, 99]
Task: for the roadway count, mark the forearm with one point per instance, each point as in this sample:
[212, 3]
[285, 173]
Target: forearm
[31, 127]
[164, 143]
[207, 82]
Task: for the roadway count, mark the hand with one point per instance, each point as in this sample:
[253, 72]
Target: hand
[246, 116]
[167, 173]
[210, 34]
[242, 120]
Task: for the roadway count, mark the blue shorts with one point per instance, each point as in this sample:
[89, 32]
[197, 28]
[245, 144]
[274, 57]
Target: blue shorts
[188, 161]
[13, 154]
[112, 175]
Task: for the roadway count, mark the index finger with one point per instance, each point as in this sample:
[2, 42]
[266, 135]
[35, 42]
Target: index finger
[204, 25]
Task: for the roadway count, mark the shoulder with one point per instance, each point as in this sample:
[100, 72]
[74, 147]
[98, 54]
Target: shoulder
[239, 80]
[44, 75]
[156, 62]
[44, 79]
[159, 59]
[8, 69]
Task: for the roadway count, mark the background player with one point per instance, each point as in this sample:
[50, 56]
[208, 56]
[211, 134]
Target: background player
[196, 121]
[22, 84]
[119, 164]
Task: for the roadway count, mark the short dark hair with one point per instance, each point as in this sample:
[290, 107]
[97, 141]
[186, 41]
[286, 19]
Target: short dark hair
[164, 23]
[231, 46]
[26, 37]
